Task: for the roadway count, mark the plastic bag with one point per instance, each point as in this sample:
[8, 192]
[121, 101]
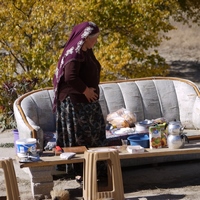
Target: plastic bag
[49, 141]
[121, 118]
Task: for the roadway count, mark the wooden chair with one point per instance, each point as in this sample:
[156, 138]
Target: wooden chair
[12, 190]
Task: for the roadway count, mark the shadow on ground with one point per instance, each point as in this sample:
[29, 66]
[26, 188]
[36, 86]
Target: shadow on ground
[161, 176]
[159, 197]
[155, 182]
[185, 69]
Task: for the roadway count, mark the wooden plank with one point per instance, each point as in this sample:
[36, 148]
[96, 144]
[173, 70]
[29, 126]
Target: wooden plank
[77, 149]
[51, 159]
[149, 153]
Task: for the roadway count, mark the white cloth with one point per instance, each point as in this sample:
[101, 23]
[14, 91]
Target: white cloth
[67, 155]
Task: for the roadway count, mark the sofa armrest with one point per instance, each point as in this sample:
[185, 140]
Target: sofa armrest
[40, 136]
[25, 128]
[196, 113]
[25, 131]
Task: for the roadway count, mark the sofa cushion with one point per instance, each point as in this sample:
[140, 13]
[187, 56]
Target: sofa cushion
[38, 109]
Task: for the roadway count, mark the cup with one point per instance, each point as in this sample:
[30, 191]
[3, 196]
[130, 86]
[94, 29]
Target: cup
[124, 144]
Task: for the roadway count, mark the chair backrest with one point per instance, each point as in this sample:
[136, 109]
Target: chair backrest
[12, 189]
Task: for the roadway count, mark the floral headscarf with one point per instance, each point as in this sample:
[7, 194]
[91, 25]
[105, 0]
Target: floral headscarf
[72, 51]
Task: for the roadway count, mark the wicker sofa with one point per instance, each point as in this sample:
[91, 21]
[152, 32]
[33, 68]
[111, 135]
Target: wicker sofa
[149, 98]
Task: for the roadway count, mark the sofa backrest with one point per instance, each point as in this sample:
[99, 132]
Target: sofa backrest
[171, 98]
[148, 98]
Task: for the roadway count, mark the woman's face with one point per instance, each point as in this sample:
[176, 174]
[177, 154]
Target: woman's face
[90, 42]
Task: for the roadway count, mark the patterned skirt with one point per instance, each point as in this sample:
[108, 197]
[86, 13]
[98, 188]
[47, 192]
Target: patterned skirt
[80, 124]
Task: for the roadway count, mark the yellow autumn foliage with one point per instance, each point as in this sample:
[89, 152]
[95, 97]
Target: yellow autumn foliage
[33, 33]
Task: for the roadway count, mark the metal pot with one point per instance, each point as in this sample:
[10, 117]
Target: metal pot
[176, 141]
[143, 126]
[175, 128]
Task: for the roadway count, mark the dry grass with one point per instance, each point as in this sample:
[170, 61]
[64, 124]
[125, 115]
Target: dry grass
[182, 52]
[184, 44]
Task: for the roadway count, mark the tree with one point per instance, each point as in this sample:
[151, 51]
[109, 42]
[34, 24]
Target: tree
[189, 11]
[33, 33]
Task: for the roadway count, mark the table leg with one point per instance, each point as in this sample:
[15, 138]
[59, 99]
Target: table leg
[41, 180]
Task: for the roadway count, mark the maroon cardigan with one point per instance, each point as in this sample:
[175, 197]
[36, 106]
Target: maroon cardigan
[77, 76]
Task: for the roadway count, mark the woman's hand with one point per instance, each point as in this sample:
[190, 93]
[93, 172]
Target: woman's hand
[90, 94]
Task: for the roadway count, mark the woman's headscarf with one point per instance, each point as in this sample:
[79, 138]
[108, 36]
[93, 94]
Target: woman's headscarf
[72, 50]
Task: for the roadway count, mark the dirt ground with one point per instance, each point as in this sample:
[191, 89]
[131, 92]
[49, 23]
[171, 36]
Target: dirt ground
[164, 181]
[167, 181]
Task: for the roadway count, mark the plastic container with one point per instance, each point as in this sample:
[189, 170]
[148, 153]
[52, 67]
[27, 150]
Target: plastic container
[25, 145]
[135, 149]
[16, 137]
[139, 139]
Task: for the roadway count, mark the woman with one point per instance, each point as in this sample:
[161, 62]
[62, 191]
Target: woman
[79, 116]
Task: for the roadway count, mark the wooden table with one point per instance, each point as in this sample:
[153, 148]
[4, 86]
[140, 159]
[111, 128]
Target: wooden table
[48, 159]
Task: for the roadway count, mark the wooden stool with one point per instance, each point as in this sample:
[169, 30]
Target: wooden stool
[12, 190]
[114, 189]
